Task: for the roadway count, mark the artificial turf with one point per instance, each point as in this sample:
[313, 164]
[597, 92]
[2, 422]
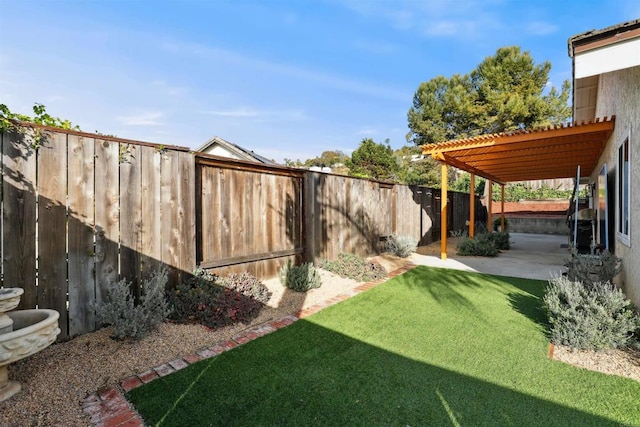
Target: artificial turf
[429, 347]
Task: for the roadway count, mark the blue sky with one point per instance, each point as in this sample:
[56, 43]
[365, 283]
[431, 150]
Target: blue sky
[287, 79]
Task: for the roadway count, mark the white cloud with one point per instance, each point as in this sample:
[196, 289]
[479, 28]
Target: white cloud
[142, 119]
[541, 28]
[375, 47]
[256, 115]
[170, 89]
[367, 132]
[445, 28]
[313, 76]
[238, 112]
[431, 17]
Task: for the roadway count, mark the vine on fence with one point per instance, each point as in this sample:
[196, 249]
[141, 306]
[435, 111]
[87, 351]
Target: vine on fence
[9, 119]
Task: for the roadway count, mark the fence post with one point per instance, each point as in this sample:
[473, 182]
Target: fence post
[310, 216]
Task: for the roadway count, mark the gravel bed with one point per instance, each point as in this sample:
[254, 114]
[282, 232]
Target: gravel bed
[621, 362]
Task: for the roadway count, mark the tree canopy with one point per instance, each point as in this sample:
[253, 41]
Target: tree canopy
[373, 160]
[507, 91]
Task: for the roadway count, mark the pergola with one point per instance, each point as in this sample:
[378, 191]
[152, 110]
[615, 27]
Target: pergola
[523, 155]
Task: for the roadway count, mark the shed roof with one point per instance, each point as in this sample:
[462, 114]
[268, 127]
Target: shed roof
[552, 152]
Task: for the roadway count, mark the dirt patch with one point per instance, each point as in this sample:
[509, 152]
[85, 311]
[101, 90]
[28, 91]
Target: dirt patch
[433, 249]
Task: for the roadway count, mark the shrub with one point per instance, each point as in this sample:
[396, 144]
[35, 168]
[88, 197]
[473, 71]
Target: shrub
[481, 227]
[500, 240]
[214, 302]
[591, 317]
[590, 269]
[401, 246]
[248, 286]
[480, 245]
[300, 278]
[354, 267]
[129, 319]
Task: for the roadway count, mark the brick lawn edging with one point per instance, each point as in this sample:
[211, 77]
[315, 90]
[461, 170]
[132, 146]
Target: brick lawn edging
[108, 407]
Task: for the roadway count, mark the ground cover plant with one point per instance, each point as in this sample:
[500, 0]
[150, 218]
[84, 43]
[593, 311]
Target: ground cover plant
[354, 267]
[429, 347]
[215, 301]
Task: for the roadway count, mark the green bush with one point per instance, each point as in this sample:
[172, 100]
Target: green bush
[480, 245]
[216, 302]
[300, 278]
[500, 240]
[590, 269]
[401, 246]
[354, 267]
[128, 318]
[591, 317]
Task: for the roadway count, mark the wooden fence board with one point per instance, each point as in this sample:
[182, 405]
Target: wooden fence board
[187, 218]
[226, 190]
[169, 203]
[357, 210]
[239, 221]
[52, 219]
[205, 237]
[130, 216]
[81, 235]
[151, 230]
[19, 216]
[310, 217]
[260, 225]
[107, 216]
[250, 203]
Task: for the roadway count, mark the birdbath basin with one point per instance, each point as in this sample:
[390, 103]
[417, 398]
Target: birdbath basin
[28, 332]
[9, 299]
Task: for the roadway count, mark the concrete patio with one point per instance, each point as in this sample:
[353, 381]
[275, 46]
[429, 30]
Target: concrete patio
[533, 256]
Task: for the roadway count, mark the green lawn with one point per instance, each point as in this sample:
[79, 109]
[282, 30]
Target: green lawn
[430, 347]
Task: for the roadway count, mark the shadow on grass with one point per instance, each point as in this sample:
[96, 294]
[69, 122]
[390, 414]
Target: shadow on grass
[530, 306]
[309, 375]
[445, 286]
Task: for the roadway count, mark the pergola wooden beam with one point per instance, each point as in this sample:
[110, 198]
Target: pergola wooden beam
[572, 131]
[453, 162]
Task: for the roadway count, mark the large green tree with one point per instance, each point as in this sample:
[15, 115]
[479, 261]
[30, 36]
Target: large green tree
[507, 91]
[373, 160]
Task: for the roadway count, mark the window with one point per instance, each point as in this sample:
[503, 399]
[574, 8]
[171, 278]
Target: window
[623, 193]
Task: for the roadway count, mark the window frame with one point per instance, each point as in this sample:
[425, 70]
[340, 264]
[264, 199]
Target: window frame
[621, 236]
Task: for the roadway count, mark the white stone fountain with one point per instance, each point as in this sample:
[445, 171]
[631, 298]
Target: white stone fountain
[22, 333]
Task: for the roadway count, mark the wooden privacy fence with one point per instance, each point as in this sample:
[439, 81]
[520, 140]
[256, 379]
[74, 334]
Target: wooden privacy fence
[80, 211]
[250, 216]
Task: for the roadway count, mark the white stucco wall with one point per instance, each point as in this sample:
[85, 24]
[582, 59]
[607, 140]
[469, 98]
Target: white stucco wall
[619, 95]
